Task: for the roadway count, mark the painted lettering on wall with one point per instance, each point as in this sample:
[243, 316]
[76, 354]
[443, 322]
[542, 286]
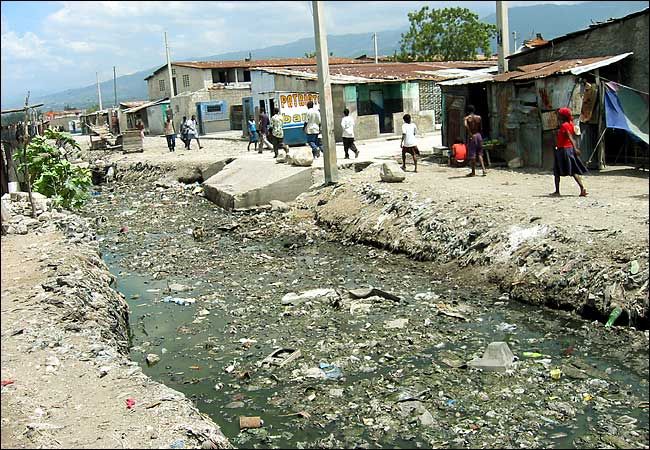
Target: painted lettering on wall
[293, 106]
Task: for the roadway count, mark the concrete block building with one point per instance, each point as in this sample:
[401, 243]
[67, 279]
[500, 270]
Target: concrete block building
[213, 90]
[377, 95]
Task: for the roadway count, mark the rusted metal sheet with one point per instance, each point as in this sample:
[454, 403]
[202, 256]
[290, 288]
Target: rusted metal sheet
[549, 120]
[545, 69]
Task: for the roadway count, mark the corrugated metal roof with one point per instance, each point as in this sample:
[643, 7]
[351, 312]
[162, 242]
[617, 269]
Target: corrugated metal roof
[386, 72]
[545, 69]
[472, 79]
[133, 104]
[145, 105]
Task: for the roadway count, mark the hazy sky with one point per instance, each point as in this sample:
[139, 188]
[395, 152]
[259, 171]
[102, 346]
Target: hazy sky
[52, 46]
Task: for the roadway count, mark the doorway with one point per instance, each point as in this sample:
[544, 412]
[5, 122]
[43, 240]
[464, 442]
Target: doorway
[377, 102]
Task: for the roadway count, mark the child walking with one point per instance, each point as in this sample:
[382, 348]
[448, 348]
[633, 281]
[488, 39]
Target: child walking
[252, 134]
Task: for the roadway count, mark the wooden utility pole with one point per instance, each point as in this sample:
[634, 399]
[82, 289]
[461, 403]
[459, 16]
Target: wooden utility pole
[325, 93]
[374, 36]
[114, 88]
[503, 36]
[169, 70]
[99, 92]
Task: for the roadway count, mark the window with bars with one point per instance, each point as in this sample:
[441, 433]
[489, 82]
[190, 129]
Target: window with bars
[186, 81]
[161, 83]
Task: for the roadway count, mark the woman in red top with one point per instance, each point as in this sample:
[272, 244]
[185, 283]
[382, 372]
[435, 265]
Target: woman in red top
[566, 154]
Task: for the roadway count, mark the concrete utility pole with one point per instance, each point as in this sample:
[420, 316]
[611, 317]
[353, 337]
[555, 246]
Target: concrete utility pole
[502, 35]
[169, 69]
[99, 92]
[114, 88]
[374, 35]
[325, 92]
[514, 40]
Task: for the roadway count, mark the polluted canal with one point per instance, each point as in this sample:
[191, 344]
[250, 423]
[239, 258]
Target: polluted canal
[251, 315]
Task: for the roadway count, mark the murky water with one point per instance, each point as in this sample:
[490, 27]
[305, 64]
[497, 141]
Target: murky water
[210, 350]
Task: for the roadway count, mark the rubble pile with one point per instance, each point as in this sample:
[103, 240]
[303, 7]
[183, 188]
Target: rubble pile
[533, 262]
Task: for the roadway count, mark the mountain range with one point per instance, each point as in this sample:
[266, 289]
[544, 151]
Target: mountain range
[551, 20]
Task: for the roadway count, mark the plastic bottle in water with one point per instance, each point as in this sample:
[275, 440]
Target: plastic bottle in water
[613, 316]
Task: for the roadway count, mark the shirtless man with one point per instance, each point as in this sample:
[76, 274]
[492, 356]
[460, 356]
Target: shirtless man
[474, 140]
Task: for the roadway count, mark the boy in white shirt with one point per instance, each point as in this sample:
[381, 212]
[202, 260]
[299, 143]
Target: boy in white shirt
[312, 129]
[409, 142]
[347, 123]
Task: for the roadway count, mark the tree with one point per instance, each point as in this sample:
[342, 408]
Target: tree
[47, 159]
[445, 34]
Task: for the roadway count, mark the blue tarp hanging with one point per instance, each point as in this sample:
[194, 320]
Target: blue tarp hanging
[627, 110]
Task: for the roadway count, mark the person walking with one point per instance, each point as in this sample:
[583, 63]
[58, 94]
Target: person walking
[347, 124]
[252, 134]
[264, 131]
[566, 161]
[312, 129]
[277, 133]
[170, 134]
[475, 140]
[140, 126]
[192, 133]
[184, 132]
[409, 142]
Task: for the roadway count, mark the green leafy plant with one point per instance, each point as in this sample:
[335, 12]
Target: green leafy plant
[448, 34]
[47, 161]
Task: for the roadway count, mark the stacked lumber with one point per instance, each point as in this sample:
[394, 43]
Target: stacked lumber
[131, 142]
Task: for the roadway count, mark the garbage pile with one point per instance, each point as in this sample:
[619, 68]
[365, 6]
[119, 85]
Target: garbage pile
[296, 340]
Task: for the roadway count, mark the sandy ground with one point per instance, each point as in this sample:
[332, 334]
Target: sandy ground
[57, 398]
[156, 151]
[617, 200]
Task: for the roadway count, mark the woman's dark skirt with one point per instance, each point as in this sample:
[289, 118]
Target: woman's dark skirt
[567, 163]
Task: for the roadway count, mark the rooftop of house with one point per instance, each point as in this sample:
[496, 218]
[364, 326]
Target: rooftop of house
[386, 71]
[579, 32]
[539, 70]
[248, 63]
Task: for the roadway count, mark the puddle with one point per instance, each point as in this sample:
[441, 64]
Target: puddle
[240, 276]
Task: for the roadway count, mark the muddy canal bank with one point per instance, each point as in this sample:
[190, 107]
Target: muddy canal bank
[67, 380]
[574, 256]
[211, 294]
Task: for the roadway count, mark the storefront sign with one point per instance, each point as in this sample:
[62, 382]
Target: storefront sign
[293, 106]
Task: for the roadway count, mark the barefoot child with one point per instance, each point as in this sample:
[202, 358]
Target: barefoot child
[566, 161]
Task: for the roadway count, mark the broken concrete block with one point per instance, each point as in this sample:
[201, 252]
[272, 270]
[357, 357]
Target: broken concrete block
[497, 358]
[282, 156]
[391, 172]
[301, 157]
[277, 205]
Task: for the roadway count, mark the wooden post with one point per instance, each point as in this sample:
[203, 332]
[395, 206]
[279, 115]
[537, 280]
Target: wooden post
[325, 92]
[24, 157]
[600, 148]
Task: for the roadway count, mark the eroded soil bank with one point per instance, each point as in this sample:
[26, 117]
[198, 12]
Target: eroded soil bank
[67, 380]
[577, 254]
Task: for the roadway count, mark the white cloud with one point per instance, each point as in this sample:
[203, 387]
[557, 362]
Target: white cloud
[81, 47]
